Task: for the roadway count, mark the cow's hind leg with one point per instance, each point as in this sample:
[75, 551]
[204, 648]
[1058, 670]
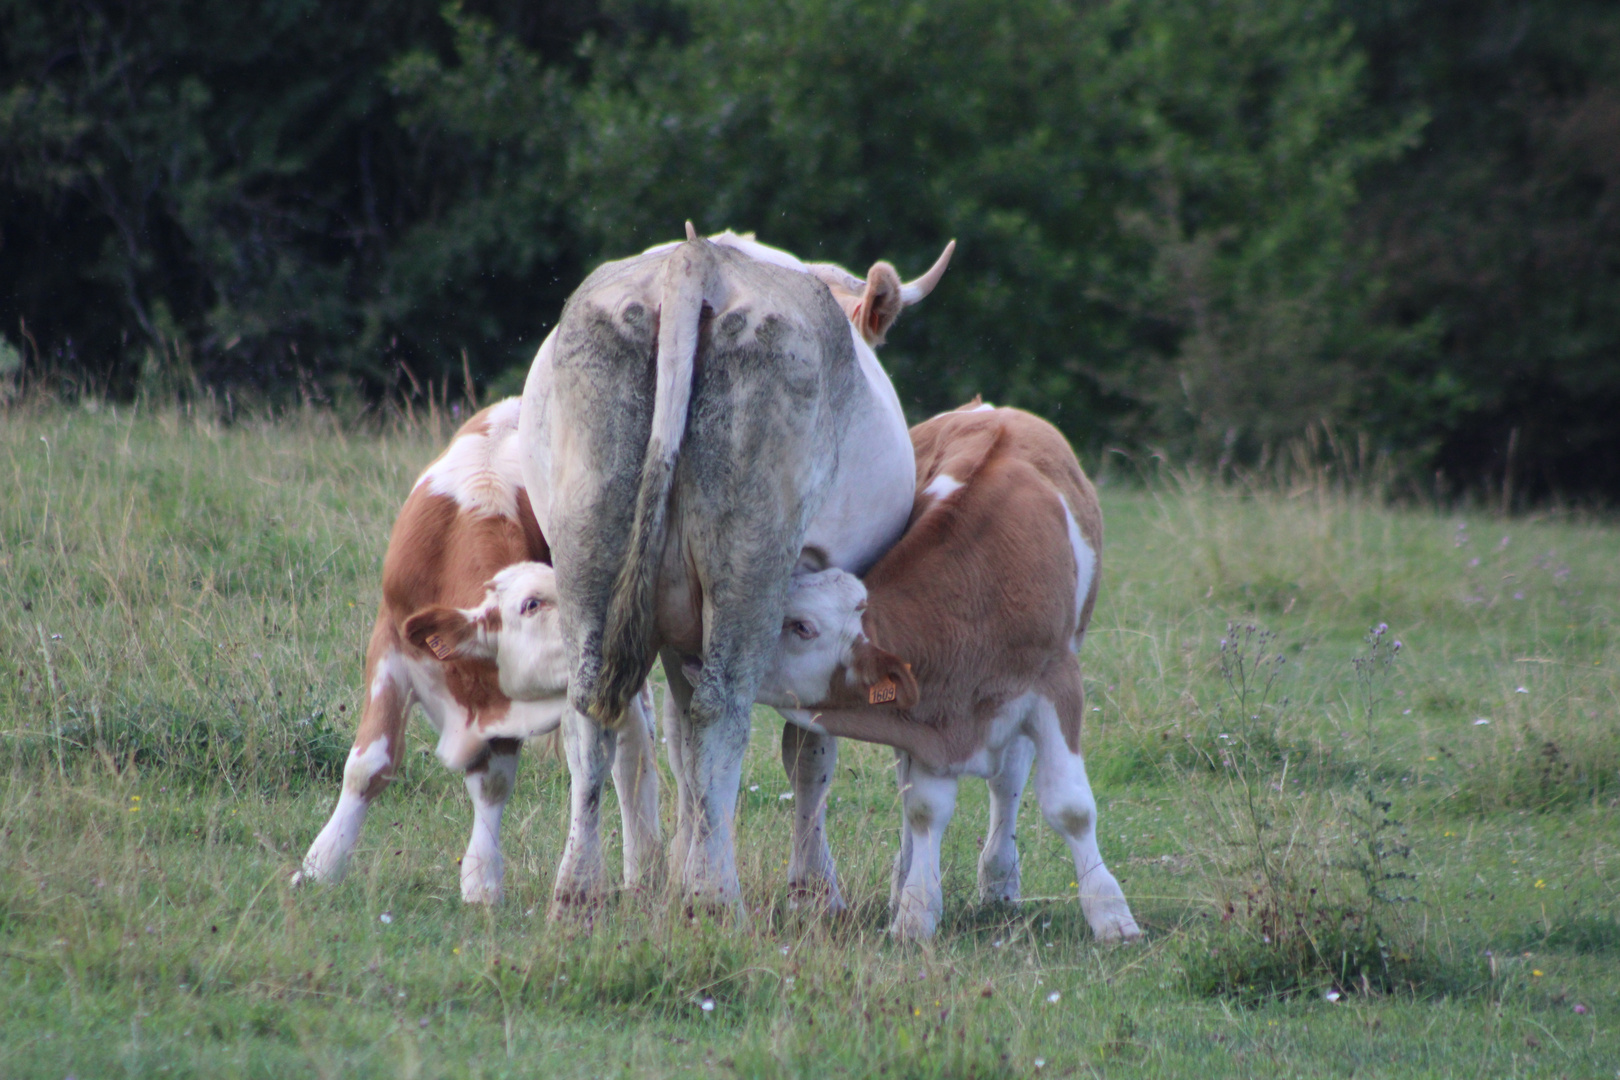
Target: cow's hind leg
[379, 744]
[928, 801]
[810, 759]
[1068, 806]
[580, 879]
[713, 741]
[998, 861]
[489, 783]
[635, 778]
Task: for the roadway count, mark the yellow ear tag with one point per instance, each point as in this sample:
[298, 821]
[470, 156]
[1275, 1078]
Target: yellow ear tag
[440, 649]
[881, 693]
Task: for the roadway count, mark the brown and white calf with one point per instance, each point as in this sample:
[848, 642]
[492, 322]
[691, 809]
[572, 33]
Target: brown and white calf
[959, 650]
[465, 522]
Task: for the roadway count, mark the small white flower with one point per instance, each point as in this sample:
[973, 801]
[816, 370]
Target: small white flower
[1521, 690]
[1040, 1063]
[1053, 998]
[1481, 722]
[753, 787]
[708, 1004]
[784, 950]
[786, 796]
[385, 918]
[1332, 995]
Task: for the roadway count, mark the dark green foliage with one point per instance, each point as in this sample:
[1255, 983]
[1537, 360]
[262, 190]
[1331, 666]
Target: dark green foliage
[1499, 232]
[1183, 224]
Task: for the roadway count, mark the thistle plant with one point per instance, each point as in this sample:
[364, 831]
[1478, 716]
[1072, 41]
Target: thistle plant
[1250, 666]
[1379, 835]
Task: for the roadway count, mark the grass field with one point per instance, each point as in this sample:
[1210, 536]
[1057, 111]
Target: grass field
[183, 610]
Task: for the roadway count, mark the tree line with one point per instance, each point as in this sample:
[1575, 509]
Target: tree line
[1200, 226]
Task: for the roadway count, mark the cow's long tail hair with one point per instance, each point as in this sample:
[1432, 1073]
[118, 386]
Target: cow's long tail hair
[689, 280]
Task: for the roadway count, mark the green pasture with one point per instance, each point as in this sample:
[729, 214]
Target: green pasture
[183, 611]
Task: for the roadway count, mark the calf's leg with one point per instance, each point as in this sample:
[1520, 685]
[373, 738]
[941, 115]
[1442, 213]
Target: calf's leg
[998, 860]
[379, 744]
[810, 759]
[489, 783]
[928, 801]
[676, 701]
[635, 778]
[902, 856]
[1068, 806]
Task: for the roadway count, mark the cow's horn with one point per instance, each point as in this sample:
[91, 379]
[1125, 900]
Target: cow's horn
[691, 233]
[913, 291]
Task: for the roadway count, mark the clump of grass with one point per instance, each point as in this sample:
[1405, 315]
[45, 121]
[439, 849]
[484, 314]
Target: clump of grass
[1314, 908]
[668, 969]
[278, 748]
[936, 1045]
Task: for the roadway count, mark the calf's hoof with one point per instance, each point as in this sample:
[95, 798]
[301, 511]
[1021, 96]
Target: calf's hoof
[481, 892]
[481, 880]
[575, 908]
[316, 870]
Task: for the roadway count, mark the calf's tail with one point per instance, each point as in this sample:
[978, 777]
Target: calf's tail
[689, 279]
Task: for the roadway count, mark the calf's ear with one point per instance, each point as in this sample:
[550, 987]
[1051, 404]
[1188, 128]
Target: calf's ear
[448, 634]
[886, 678]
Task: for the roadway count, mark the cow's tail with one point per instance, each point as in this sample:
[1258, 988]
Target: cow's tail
[627, 651]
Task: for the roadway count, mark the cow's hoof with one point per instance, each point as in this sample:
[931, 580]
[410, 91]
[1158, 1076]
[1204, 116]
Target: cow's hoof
[914, 922]
[1000, 892]
[1117, 930]
[728, 913]
[816, 895]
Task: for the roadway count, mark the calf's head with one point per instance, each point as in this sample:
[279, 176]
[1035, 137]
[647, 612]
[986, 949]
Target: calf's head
[515, 628]
[824, 658]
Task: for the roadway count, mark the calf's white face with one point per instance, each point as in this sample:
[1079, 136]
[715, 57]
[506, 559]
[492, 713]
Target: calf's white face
[516, 628]
[823, 656]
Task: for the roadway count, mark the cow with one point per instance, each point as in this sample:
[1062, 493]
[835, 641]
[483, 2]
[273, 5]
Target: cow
[959, 648]
[466, 521]
[707, 417]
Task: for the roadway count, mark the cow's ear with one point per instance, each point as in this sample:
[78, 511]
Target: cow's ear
[448, 634]
[885, 678]
[880, 303]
